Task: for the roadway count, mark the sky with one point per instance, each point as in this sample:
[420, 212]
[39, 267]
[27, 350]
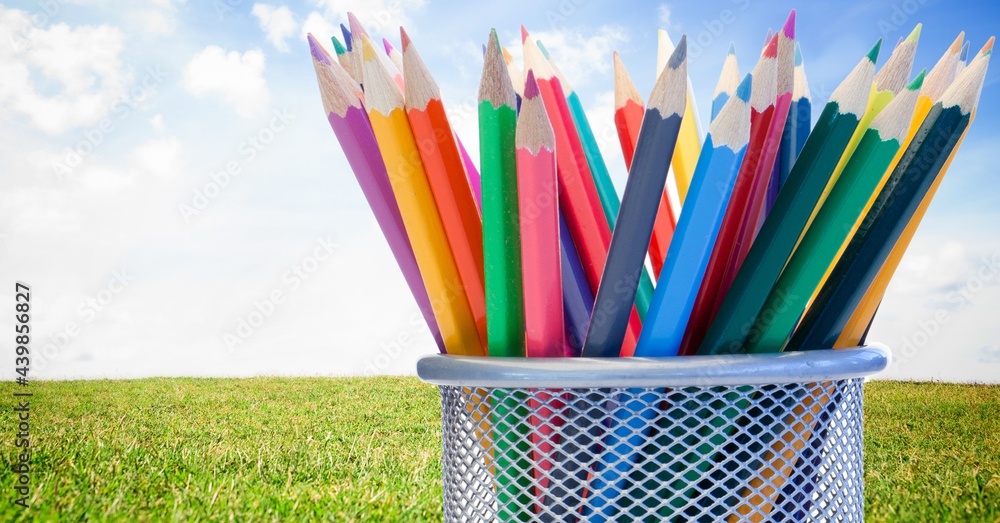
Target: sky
[171, 191]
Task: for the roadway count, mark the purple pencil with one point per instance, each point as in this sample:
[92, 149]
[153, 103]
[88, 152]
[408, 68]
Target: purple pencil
[472, 172]
[342, 102]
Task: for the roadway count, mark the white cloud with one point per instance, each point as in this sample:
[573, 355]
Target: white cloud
[83, 61]
[378, 16]
[158, 16]
[157, 122]
[237, 77]
[278, 24]
[663, 12]
[580, 54]
[320, 27]
[160, 156]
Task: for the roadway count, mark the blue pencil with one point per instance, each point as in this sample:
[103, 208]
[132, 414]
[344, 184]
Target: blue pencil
[698, 227]
[797, 128]
[634, 226]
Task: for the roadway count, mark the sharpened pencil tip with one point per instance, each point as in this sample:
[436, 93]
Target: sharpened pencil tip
[917, 82]
[337, 46]
[873, 54]
[524, 34]
[988, 47]
[743, 91]
[915, 34]
[965, 51]
[355, 24]
[771, 51]
[789, 28]
[347, 37]
[404, 39]
[387, 45]
[530, 85]
[541, 47]
[798, 54]
[956, 46]
[680, 53]
[732, 48]
[367, 48]
[318, 53]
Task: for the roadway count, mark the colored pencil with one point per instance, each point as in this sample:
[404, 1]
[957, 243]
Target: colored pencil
[889, 217]
[610, 201]
[470, 168]
[354, 67]
[688, 150]
[831, 227]
[517, 76]
[697, 228]
[385, 105]
[762, 106]
[539, 217]
[777, 237]
[938, 79]
[394, 55]
[629, 110]
[356, 47]
[577, 192]
[729, 79]
[342, 103]
[504, 289]
[646, 180]
[796, 131]
[963, 59]
[343, 58]
[578, 299]
[447, 177]
[502, 251]
[749, 224]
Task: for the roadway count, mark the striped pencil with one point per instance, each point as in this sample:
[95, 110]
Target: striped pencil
[577, 193]
[823, 325]
[938, 79]
[342, 103]
[796, 131]
[749, 225]
[386, 111]
[497, 132]
[610, 201]
[762, 108]
[697, 228]
[940, 133]
[629, 110]
[647, 177]
[781, 229]
[447, 177]
[728, 81]
[688, 150]
[539, 217]
[831, 228]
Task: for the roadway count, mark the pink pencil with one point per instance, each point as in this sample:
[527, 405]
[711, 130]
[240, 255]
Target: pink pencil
[472, 172]
[539, 214]
[342, 102]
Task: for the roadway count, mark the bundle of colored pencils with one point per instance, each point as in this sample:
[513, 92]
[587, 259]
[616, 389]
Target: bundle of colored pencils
[787, 235]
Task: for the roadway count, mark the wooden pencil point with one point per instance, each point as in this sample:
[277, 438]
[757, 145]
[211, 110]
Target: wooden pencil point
[495, 86]
[896, 71]
[789, 28]
[318, 53]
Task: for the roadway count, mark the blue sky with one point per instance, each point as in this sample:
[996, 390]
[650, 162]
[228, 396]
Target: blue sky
[143, 264]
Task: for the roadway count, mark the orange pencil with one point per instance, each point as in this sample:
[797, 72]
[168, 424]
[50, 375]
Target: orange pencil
[448, 179]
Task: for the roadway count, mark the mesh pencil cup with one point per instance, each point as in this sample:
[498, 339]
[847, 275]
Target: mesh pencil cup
[767, 437]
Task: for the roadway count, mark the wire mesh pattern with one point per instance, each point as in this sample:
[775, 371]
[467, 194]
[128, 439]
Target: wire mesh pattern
[747, 453]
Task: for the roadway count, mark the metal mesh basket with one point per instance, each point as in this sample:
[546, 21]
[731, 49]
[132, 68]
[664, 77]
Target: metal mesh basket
[720, 438]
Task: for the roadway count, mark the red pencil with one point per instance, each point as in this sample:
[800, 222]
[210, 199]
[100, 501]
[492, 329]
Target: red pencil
[629, 111]
[577, 193]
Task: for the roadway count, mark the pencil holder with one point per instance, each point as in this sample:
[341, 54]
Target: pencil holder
[717, 438]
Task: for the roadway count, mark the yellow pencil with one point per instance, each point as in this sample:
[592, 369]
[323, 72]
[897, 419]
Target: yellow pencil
[387, 113]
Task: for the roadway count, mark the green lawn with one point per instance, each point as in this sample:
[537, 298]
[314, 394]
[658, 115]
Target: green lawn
[271, 449]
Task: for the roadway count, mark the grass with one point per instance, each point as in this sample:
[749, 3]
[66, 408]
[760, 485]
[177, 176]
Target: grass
[270, 449]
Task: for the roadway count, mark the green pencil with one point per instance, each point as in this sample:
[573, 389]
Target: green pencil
[502, 266]
[833, 223]
[780, 231]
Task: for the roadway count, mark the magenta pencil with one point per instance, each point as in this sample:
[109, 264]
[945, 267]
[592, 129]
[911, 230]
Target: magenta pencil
[342, 102]
[539, 217]
[473, 174]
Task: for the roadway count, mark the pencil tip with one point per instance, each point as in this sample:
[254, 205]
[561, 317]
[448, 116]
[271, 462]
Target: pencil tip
[873, 54]
[367, 48]
[798, 54]
[680, 53]
[347, 37]
[524, 34]
[789, 28]
[743, 91]
[918, 81]
[956, 46]
[387, 45]
[965, 51]
[541, 47]
[337, 46]
[915, 34]
[771, 50]
[989, 45]
[404, 39]
[318, 53]
[530, 86]
[732, 48]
